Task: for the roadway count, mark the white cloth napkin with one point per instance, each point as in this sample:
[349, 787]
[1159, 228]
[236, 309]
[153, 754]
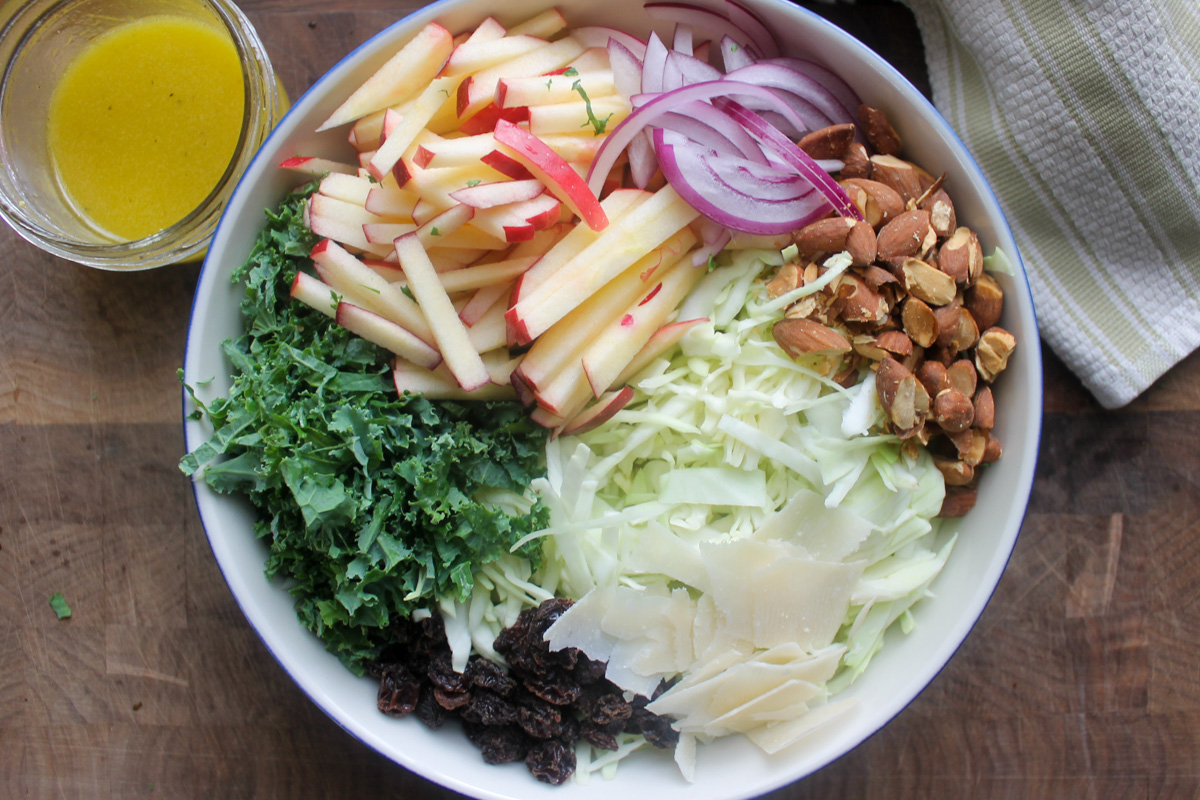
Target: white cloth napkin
[1085, 117]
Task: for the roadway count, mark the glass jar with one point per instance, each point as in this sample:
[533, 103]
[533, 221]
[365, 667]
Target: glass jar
[39, 40]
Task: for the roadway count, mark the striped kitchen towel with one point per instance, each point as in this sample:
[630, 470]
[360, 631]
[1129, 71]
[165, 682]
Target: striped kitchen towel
[1085, 117]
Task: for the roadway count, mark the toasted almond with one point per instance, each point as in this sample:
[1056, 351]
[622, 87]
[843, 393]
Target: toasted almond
[958, 501]
[905, 177]
[799, 336]
[919, 321]
[995, 347]
[787, 278]
[878, 202]
[907, 235]
[829, 142]
[878, 130]
[961, 256]
[985, 301]
[941, 213]
[985, 408]
[955, 472]
[856, 163]
[962, 376]
[927, 283]
[953, 410]
[902, 396]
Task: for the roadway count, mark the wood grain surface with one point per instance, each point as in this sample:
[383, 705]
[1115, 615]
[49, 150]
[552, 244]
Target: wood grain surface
[1081, 679]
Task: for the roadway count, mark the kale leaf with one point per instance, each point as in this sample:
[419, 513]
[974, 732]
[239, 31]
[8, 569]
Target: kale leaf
[372, 505]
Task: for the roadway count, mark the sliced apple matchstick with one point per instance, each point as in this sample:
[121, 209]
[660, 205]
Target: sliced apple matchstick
[417, 184]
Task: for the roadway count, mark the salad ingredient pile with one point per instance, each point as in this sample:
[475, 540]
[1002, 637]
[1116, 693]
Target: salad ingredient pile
[746, 350]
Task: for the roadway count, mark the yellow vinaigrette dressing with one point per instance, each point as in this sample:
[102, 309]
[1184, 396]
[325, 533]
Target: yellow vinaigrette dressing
[144, 123]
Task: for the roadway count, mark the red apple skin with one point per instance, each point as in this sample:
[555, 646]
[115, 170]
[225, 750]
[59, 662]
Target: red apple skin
[596, 415]
[556, 173]
[506, 165]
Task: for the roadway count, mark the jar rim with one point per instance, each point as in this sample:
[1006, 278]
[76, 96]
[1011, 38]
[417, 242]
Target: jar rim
[189, 236]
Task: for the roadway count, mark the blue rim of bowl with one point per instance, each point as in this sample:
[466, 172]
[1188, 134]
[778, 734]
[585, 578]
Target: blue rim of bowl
[954, 639]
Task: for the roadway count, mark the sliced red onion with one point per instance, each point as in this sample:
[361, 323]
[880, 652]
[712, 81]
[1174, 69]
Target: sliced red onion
[683, 70]
[599, 36]
[646, 112]
[682, 43]
[642, 160]
[626, 68]
[812, 93]
[788, 149]
[838, 88]
[702, 123]
[740, 194]
[653, 64]
[698, 18]
[734, 55]
[764, 41]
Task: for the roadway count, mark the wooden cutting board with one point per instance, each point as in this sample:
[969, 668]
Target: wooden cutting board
[1079, 681]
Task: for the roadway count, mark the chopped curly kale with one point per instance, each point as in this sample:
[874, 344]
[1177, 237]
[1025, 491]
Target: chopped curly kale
[371, 504]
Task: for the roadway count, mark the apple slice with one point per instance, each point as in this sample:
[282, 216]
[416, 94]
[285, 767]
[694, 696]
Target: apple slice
[547, 420]
[440, 384]
[386, 232]
[487, 117]
[539, 90]
[575, 240]
[575, 148]
[598, 36]
[487, 30]
[386, 334]
[618, 246]
[352, 278]
[340, 221]
[477, 277]
[500, 365]
[498, 193]
[519, 222]
[316, 166]
[450, 334]
[477, 90]
[473, 56]
[598, 412]
[488, 332]
[347, 188]
[392, 202]
[610, 352]
[481, 300]
[506, 165]
[572, 116]
[384, 269]
[405, 74]
[545, 24]
[569, 337]
[659, 343]
[593, 59]
[397, 141]
[550, 168]
[315, 294]
[438, 228]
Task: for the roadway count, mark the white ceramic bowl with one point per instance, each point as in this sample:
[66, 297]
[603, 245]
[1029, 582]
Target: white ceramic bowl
[731, 768]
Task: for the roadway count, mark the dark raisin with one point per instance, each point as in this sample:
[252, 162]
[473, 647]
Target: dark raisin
[489, 708]
[551, 761]
[604, 704]
[656, 729]
[540, 720]
[442, 674]
[557, 688]
[398, 692]
[587, 671]
[450, 701]
[489, 675]
[428, 710]
[500, 744]
[602, 736]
